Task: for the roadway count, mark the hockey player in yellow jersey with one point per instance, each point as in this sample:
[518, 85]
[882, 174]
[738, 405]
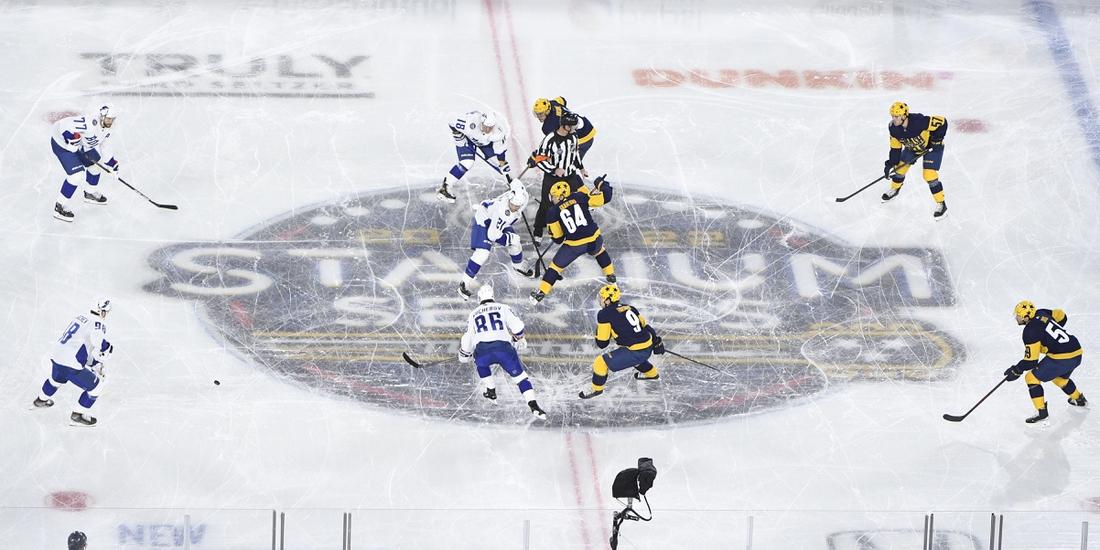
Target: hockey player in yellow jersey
[912, 136]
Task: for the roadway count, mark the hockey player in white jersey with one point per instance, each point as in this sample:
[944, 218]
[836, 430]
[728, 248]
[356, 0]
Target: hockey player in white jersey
[494, 335]
[493, 220]
[78, 142]
[481, 135]
[80, 356]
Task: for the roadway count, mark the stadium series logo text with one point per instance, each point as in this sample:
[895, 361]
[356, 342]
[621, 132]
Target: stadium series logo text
[332, 296]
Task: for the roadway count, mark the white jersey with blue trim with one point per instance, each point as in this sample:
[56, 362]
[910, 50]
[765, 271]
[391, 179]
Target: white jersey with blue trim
[82, 132]
[498, 213]
[470, 125]
[81, 343]
[490, 322]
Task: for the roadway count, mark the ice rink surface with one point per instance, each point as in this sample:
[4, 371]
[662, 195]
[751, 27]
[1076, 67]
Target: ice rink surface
[303, 142]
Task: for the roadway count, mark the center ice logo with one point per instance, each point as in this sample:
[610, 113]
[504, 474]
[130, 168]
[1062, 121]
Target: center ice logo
[332, 296]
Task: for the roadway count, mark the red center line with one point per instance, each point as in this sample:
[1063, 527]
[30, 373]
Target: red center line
[500, 61]
[596, 482]
[519, 73]
[577, 487]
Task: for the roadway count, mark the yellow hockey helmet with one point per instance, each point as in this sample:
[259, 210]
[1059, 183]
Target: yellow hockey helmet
[1025, 309]
[609, 292]
[560, 190]
[899, 109]
[542, 105]
[560, 100]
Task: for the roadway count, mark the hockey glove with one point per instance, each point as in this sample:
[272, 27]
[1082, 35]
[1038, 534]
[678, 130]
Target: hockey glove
[520, 343]
[658, 346]
[1012, 374]
[460, 139]
[889, 168]
[463, 357]
[598, 183]
[114, 165]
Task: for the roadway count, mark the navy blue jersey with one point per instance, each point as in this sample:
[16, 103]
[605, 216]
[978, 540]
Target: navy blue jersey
[918, 134]
[1044, 334]
[571, 219]
[623, 323]
[584, 132]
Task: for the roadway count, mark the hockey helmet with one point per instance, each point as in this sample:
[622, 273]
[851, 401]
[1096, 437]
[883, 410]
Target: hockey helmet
[485, 293]
[560, 100]
[107, 114]
[490, 119]
[560, 190]
[609, 292]
[569, 119]
[519, 197]
[1025, 309]
[899, 109]
[102, 305]
[542, 106]
[78, 541]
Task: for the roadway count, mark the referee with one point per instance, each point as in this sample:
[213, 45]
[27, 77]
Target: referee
[559, 159]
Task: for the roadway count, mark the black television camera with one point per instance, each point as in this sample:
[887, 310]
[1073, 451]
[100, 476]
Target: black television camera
[632, 484]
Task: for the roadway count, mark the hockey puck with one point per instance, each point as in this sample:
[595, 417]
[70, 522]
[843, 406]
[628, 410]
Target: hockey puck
[216, 383]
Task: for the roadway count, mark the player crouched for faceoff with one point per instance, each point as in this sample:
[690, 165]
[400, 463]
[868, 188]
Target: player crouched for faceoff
[913, 135]
[481, 135]
[494, 335]
[493, 221]
[79, 142]
[1045, 333]
[80, 357]
[573, 227]
[637, 341]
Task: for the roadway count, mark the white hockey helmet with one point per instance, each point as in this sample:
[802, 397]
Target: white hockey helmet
[519, 196]
[107, 114]
[102, 305]
[490, 119]
[485, 293]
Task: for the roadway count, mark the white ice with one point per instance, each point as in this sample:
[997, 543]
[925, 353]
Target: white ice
[863, 457]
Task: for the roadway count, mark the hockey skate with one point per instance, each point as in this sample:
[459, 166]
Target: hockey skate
[523, 269]
[537, 296]
[941, 211]
[94, 198]
[463, 291]
[890, 193]
[490, 394]
[62, 213]
[535, 410]
[1079, 402]
[590, 394]
[40, 404]
[611, 279]
[640, 376]
[85, 420]
[1039, 416]
[445, 195]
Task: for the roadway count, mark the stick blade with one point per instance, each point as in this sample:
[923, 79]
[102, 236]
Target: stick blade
[409, 360]
[953, 418]
[168, 206]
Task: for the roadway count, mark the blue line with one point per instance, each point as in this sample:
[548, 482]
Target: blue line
[1042, 12]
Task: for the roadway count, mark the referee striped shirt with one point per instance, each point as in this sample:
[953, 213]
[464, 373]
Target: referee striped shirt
[558, 151]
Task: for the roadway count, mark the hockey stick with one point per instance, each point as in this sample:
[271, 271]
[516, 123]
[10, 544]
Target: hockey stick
[132, 188]
[864, 188]
[694, 361]
[539, 266]
[409, 360]
[953, 418]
